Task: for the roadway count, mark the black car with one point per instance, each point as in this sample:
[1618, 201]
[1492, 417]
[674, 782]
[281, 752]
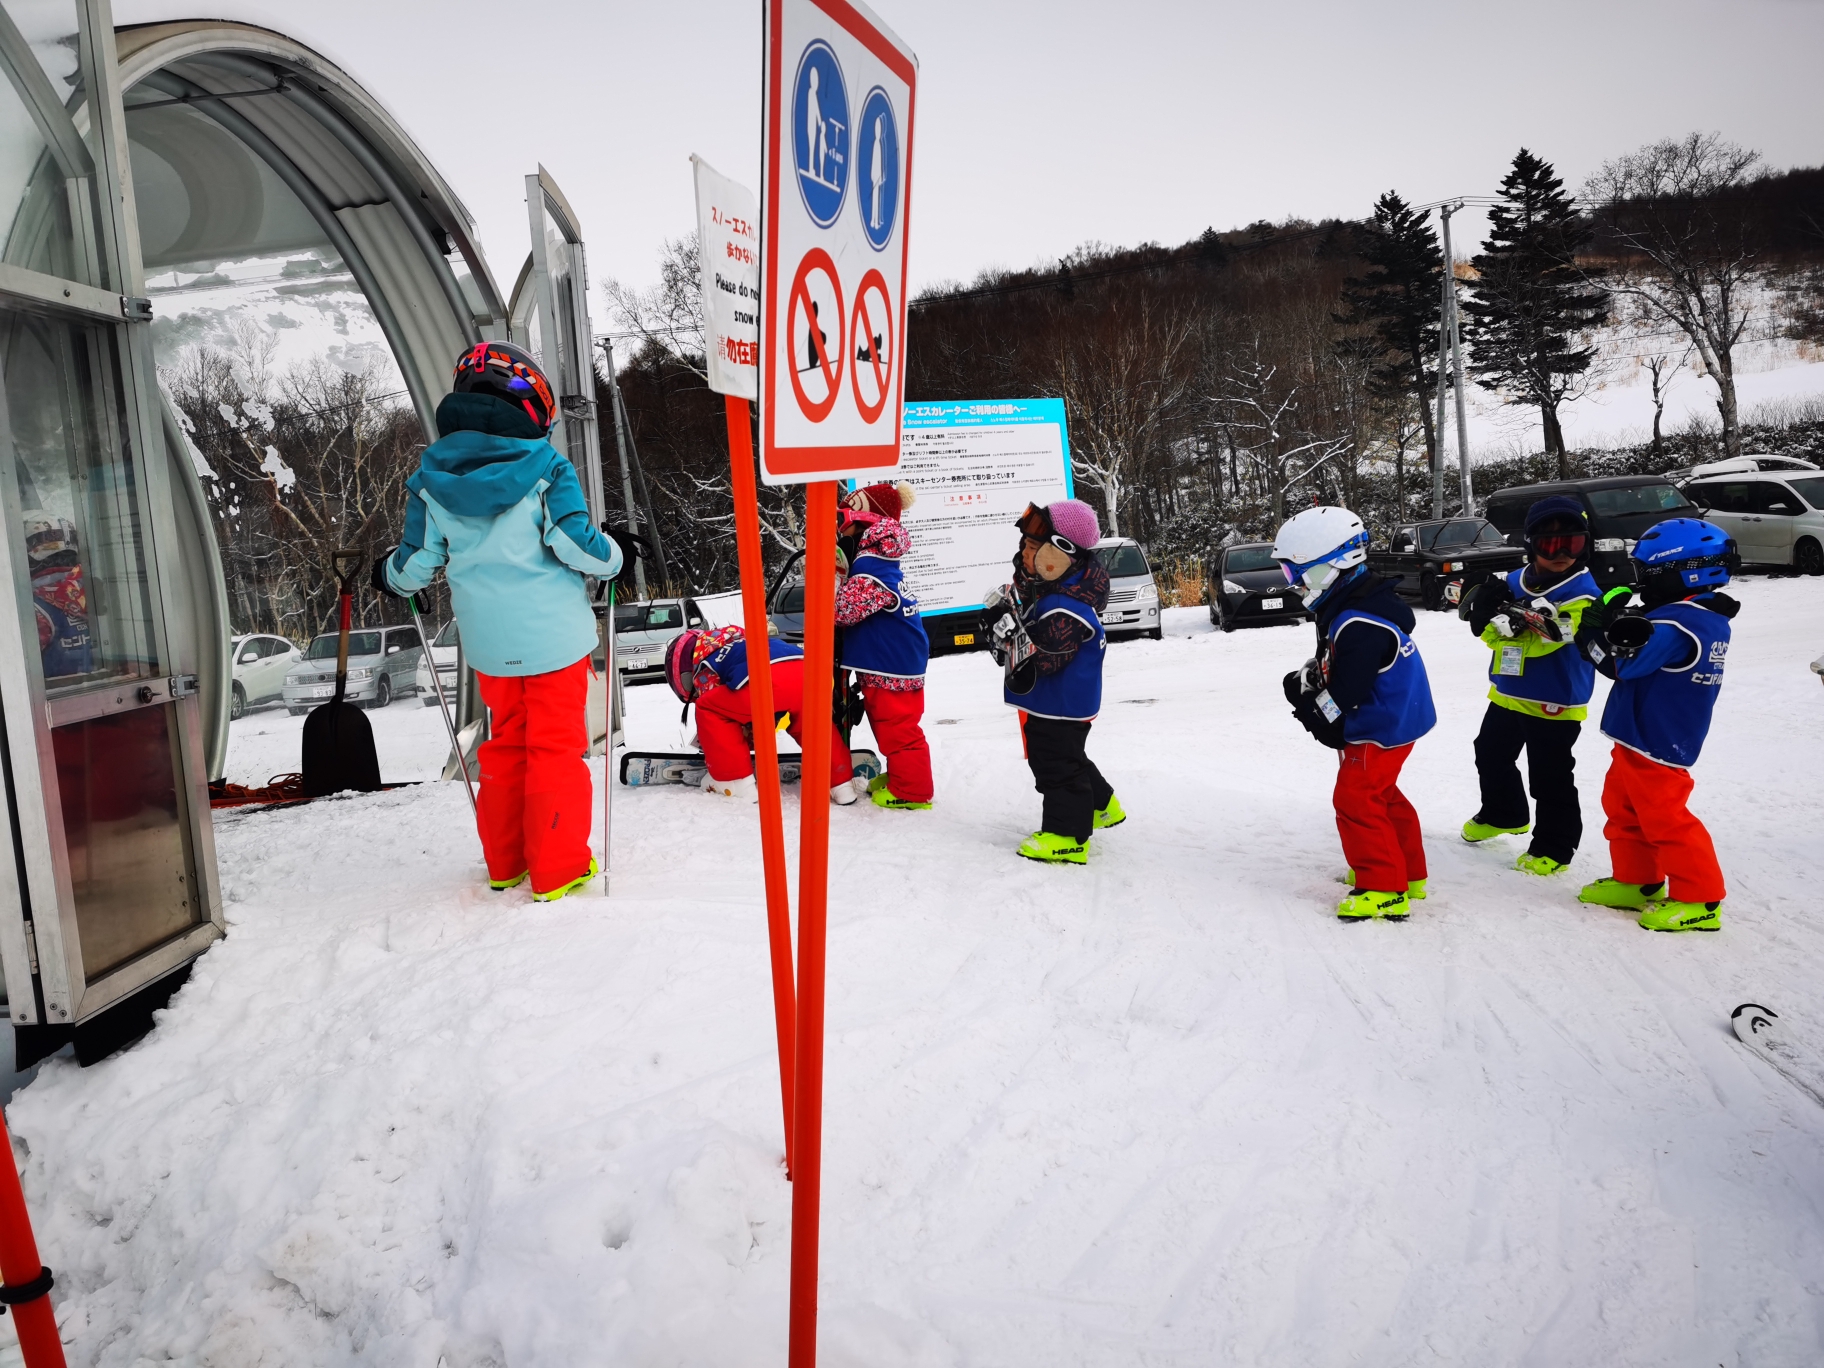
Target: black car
[959, 630]
[1438, 562]
[1246, 587]
[1619, 507]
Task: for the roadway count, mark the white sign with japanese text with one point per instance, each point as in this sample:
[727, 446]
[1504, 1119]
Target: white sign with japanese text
[728, 254]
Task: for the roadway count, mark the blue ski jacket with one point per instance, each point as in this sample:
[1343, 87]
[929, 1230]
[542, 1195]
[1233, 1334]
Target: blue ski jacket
[1663, 697]
[501, 512]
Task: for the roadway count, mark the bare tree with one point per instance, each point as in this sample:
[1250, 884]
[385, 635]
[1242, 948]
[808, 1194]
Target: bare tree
[1124, 377]
[668, 315]
[1671, 207]
[1264, 415]
[1662, 368]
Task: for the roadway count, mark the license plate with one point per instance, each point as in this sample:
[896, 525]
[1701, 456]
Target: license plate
[1268, 605]
[963, 639]
[1453, 592]
[323, 691]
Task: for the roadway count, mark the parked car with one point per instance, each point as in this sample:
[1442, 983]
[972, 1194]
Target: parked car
[643, 630]
[381, 663]
[260, 666]
[1775, 516]
[1619, 507]
[1438, 562]
[444, 651]
[1735, 464]
[1133, 598]
[1247, 588]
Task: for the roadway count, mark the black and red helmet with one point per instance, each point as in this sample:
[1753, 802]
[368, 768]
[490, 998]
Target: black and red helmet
[507, 372]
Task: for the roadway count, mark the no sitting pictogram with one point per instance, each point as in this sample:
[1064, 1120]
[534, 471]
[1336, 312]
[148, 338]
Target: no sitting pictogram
[872, 330]
[815, 357]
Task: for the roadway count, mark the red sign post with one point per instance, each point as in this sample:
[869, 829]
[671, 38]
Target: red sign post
[836, 193]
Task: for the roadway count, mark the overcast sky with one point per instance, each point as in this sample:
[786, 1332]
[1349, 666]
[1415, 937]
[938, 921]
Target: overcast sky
[1041, 127]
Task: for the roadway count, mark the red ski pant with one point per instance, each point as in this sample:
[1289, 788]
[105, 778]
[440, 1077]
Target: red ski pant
[1652, 835]
[725, 723]
[536, 802]
[894, 718]
[1380, 830]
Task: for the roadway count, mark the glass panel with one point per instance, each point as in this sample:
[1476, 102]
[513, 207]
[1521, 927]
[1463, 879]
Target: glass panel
[123, 828]
[34, 198]
[61, 429]
[1812, 487]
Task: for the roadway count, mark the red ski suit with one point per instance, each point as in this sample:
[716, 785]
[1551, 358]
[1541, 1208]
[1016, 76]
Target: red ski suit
[722, 713]
[1380, 830]
[536, 804]
[1652, 834]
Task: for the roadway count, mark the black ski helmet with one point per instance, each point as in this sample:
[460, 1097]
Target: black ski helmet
[507, 372]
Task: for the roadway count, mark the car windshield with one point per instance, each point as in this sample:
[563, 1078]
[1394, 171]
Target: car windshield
[1123, 560]
[359, 644]
[664, 616]
[791, 598]
[447, 637]
[1646, 498]
[630, 617]
[1464, 532]
[1811, 489]
[1242, 558]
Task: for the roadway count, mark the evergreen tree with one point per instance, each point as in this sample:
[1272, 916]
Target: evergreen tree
[1392, 313]
[1531, 299]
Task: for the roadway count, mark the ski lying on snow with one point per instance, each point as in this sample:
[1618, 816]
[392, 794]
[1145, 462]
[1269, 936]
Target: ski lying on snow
[641, 768]
[1759, 1029]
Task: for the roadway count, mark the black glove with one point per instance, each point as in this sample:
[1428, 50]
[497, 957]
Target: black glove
[1483, 601]
[378, 578]
[632, 547]
[1627, 634]
[1593, 630]
[1295, 691]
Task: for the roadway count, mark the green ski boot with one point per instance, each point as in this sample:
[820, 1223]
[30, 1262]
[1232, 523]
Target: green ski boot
[573, 886]
[883, 797]
[1540, 864]
[1050, 848]
[1682, 916]
[1615, 893]
[1110, 816]
[1367, 905]
[502, 885]
[1414, 890]
[1476, 832]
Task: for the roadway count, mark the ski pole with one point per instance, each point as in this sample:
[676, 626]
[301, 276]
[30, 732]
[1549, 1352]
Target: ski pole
[443, 704]
[28, 1282]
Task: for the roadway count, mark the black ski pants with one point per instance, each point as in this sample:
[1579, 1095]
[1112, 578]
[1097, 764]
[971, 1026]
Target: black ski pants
[1550, 765]
[1072, 786]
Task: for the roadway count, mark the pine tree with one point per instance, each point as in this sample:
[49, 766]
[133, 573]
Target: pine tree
[1531, 299]
[1392, 313]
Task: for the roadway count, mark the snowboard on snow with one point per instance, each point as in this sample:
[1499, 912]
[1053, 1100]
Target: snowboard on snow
[1760, 1030]
[641, 768]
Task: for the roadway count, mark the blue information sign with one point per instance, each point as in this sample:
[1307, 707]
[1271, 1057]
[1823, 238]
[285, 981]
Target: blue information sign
[820, 133]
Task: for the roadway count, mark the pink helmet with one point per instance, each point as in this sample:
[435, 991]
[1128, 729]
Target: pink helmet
[1075, 521]
[687, 651]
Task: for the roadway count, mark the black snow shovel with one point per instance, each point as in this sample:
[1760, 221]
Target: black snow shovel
[338, 740]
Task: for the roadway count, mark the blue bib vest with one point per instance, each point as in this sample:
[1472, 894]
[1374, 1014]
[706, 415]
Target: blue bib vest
[730, 663]
[1074, 693]
[1562, 676]
[1400, 711]
[892, 641]
[1666, 715]
[67, 649]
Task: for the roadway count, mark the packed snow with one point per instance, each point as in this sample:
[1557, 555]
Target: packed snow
[1161, 1110]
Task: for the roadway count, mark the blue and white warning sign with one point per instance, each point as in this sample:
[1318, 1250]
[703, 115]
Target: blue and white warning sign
[836, 193]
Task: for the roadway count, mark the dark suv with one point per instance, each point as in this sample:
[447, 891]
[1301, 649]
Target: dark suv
[1619, 507]
[1440, 561]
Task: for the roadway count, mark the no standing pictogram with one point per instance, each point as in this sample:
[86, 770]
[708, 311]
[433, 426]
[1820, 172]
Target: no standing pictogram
[872, 330]
[814, 308]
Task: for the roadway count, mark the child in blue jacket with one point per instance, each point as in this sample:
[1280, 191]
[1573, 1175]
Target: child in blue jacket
[499, 510]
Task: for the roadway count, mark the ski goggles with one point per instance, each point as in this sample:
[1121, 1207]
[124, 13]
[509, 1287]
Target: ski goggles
[1035, 528]
[1555, 544]
[1310, 581]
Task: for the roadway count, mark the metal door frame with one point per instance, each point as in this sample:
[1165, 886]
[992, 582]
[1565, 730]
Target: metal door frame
[46, 984]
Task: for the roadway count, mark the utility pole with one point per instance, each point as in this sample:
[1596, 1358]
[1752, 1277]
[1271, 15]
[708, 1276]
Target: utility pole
[1456, 365]
[620, 437]
[1437, 450]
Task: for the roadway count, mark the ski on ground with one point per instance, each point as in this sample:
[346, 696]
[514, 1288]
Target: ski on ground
[640, 769]
[1760, 1030]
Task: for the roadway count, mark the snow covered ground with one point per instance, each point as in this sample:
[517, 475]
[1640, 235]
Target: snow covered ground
[1163, 1110]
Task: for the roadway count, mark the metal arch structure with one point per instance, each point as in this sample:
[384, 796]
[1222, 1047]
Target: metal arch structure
[371, 193]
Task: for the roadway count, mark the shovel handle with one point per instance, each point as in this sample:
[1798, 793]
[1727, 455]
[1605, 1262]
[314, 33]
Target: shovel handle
[355, 559]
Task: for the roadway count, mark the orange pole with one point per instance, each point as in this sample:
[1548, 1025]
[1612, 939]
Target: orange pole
[766, 746]
[19, 1265]
[813, 909]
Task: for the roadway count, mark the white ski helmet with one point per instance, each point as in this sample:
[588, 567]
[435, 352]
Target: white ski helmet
[1318, 545]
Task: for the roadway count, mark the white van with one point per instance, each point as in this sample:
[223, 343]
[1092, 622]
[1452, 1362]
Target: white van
[1133, 598]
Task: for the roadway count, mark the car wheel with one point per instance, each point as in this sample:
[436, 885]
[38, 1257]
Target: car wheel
[383, 693]
[1225, 622]
[1158, 633]
[237, 704]
[1215, 611]
[297, 712]
[1431, 592]
[1808, 557]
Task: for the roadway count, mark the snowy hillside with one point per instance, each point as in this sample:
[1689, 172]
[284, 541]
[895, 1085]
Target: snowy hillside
[1164, 1110]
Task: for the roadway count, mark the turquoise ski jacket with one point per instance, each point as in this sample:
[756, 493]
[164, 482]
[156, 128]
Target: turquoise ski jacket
[501, 512]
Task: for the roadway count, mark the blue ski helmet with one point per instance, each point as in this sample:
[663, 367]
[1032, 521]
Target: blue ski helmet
[1699, 554]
